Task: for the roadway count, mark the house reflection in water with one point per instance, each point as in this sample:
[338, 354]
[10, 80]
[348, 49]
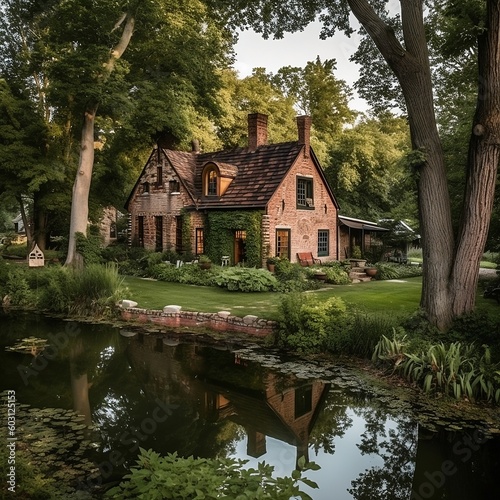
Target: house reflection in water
[221, 386]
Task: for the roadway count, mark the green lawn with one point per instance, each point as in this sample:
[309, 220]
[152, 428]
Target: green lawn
[374, 297]
[157, 294]
[395, 298]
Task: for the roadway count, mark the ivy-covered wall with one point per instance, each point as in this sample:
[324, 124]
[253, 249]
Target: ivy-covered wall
[219, 234]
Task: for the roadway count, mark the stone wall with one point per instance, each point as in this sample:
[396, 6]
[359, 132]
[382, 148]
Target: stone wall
[222, 321]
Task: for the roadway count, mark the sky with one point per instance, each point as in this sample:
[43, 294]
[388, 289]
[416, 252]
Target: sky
[296, 49]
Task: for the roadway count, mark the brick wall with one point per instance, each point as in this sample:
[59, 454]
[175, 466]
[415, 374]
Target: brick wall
[158, 202]
[303, 223]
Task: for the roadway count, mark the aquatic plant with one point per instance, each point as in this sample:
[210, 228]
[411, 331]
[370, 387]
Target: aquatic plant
[174, 477]
[460, 370]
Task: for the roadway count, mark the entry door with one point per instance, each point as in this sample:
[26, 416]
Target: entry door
[283, 243]
[240, 246]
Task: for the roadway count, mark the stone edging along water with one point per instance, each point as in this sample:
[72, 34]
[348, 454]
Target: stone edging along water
[173, 317]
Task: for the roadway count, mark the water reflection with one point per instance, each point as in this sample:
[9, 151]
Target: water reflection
[152, 391]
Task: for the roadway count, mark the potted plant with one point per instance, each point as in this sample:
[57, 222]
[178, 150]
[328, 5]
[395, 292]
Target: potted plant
[271, 263]
[204, 262]
[371, 271]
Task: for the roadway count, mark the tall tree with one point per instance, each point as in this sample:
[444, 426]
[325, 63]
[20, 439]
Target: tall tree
[147, 65]
[317, 92]
[367, 169]
[254, 93]
[451, 261]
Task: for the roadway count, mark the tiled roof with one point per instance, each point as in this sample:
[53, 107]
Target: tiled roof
[259, 173]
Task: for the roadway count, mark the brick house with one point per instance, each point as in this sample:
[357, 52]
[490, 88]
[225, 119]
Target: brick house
[245, 203]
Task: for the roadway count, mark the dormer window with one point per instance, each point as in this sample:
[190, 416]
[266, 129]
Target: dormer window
[211, 181]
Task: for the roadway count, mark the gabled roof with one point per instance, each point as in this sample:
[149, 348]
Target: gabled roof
[256, 174]
[259, 173]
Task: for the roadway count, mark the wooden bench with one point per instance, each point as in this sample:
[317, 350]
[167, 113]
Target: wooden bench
[307, 259]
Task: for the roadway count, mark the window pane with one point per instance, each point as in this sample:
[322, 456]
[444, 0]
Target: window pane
[301, 192]
[303, 400]
[305, 193]
[323, 242]
[199, 241]
[212, 183]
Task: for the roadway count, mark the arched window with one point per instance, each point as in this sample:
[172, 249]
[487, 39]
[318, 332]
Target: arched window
[211, 180]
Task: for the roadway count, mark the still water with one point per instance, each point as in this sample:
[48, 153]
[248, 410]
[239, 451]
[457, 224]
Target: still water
[154, 391]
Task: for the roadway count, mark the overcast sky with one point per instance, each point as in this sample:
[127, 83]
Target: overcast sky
[297, 49]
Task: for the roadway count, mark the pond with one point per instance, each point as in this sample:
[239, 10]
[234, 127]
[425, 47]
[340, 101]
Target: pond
[91, 395]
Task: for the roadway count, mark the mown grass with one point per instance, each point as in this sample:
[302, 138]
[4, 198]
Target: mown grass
[386, 297]
[392, 298]
[152, 294]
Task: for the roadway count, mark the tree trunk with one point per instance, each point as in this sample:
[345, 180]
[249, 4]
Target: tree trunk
[81, 186]
[411, 66]
[484, 155]
[450, 272]
[81, 189]
[28, 226]
[40, 220]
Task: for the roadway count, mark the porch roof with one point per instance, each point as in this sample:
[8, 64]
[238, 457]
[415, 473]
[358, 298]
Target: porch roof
[360, 224]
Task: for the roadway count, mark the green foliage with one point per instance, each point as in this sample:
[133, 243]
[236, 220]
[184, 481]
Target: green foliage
[393, 271]
[458, 370]
[304, 323]
[246, 279]
[90, 247]
[4, 273]
[360, 334]
[18, 289]
[366, 169]
[157, 477]
[335, 273]
[292, 277]
[16, 250]
[93, 291]
[219, 238]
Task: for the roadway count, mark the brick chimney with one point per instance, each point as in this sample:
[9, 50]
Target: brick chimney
[304, 127]
[257, 130]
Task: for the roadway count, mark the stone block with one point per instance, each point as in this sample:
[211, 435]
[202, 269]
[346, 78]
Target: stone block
[172, 309]
[127, 304]
[249, 319]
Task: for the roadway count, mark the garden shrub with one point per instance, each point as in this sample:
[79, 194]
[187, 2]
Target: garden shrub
[388, 271]
[18, 289]
[304, 324]
[192, 274]
[336, 276]
[246, 279]
[293, 277]
[157, 477]
[93, 291]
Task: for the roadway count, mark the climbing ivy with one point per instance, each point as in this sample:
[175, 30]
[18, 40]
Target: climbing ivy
[187, 249]
[219, 235]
